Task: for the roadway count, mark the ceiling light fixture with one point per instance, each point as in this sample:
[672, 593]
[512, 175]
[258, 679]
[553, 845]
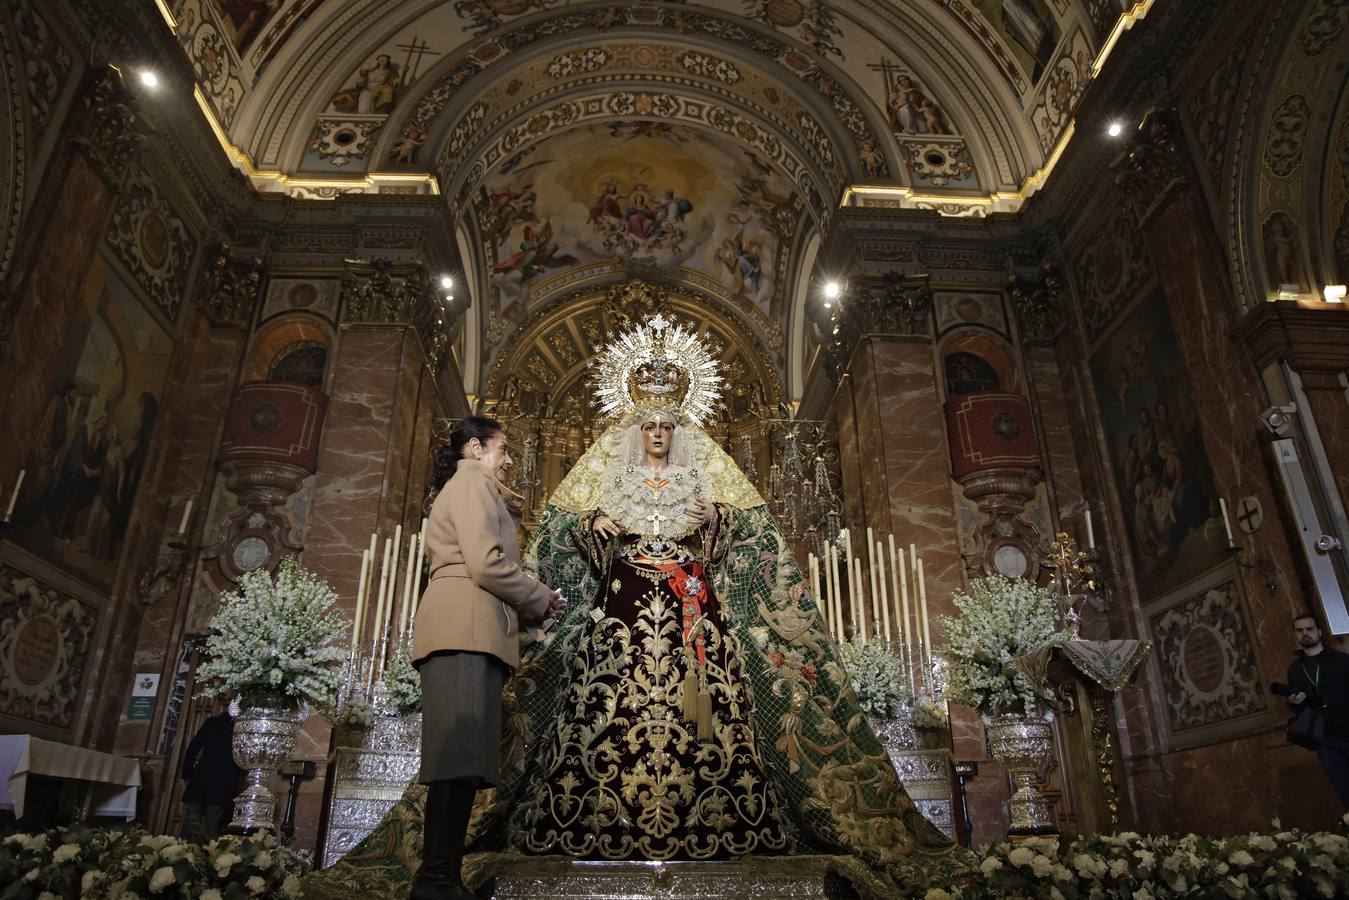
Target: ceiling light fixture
[148, 78]
[831, 289]
[1115, 129]
[1334, 293]
[446, 282]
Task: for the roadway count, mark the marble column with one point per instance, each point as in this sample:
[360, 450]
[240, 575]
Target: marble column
[372, 465]
[896, 474]
[1238, 784]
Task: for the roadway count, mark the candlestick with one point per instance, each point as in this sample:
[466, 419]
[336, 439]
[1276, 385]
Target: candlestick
[852, 582]
[417, 577]
[1226, 525]
[871, 571]
[14, 495]
[182, 526]
[383, 591]
[860, 626]
[813, 566]
[838, 593]
[895, 575]
[407, 588]
[1091, 536]
[359, 615]
[910, 631]
[922, 597]
[885, 595]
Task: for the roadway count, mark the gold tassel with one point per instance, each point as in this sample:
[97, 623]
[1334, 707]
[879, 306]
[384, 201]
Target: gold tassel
[691, 689]
[706, 733]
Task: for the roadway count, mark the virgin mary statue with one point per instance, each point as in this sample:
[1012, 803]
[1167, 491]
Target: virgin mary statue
[689, 703]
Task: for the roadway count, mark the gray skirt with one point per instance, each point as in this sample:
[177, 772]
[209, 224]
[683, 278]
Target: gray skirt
[461, 718]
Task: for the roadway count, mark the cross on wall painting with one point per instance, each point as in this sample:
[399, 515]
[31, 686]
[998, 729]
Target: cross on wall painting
[92, 443]
[1161, 468]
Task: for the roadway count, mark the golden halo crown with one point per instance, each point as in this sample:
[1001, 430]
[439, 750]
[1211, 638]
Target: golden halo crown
[659, 363]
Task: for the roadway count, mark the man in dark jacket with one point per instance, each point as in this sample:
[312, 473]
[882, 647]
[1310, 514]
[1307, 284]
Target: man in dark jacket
[1320, 679]
[212, 778]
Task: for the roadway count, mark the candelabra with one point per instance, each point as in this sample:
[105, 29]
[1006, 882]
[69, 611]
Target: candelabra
[1074, 582]
[800, 486]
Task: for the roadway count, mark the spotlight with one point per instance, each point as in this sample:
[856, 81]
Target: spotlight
[446, 282]
[828, 305]
[1115, 129]
[1334, 293]
[148, 78]
[831, 289]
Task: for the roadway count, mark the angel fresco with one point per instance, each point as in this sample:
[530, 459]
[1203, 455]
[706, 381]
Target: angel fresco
[636, 222]
[740, 258]
[505, 207]
[537, 253]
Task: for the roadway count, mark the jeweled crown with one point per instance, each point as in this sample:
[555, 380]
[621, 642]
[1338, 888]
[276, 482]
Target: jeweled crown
[659, 362]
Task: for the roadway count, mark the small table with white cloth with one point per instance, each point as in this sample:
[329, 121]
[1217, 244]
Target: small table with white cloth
[110, 782]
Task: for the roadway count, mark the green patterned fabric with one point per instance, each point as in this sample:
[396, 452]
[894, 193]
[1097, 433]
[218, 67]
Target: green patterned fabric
[837, 788]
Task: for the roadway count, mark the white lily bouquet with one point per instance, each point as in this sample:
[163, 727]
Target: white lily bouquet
[1002, 623]
[403, 684]
[876, 675]
[276, 638]
[931, 715]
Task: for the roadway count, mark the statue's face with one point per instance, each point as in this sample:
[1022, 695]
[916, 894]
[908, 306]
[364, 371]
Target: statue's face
[657, 436]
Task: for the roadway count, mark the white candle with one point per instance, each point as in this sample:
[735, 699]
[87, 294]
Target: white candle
[895, 575]
[852, 581]
[885, 594]
[1091, 536]
[871, 571]
[838, 593]
[417, 577]
[910, 632]
[358, 616]
[1226, 525]
[187, 514]
[823, 564]
[407, 588]
[860, 627]
[922, 601]
[813, 568]
[14, 495]
[383, 590]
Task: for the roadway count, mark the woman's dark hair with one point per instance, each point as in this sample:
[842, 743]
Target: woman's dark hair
[448, 455]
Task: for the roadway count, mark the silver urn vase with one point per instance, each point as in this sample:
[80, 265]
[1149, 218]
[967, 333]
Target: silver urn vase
[264, 738]
[1023, 745]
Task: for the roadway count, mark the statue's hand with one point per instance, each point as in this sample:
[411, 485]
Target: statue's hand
[606, 528]
[703, 513]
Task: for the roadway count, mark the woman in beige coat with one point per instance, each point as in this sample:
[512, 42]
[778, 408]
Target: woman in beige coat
[466, 641]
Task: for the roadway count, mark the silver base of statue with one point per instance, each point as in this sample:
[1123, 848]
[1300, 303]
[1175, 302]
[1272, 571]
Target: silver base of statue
[924, 767]
[748, 879]
[372, 767]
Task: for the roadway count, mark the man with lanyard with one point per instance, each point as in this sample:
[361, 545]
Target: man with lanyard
[1320, 677]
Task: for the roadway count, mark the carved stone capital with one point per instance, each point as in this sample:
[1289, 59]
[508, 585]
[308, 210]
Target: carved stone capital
[381, 293]
[108, 128]
[230, 293]
[1150, 168]
[896, 305]
[1039, 307]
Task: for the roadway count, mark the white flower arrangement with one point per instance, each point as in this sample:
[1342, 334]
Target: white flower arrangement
[930, 715]
[106, 864]
[403, 683]
[355, 713]
[876, 675]
[276, 637]
[1001, 619]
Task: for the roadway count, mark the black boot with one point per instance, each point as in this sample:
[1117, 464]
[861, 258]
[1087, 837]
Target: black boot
[448, 807]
